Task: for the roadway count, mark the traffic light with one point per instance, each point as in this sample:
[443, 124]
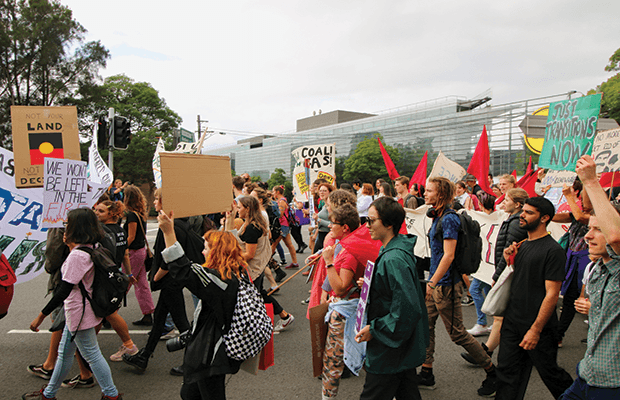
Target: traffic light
[122, 133]
[102, 133]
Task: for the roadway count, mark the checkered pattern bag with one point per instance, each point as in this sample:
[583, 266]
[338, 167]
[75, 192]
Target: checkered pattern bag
[251, 327]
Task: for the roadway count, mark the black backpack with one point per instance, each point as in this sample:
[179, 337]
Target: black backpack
[109, 284]
[468, 253]
[273, 212]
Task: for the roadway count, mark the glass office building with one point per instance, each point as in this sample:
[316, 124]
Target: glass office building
[450, 124]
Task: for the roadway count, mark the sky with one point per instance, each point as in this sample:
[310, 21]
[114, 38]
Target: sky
[256, 67]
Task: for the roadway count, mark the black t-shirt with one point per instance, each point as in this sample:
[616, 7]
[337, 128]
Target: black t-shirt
[121, 241]
[251, 234]
[536, 261]
[138, 241]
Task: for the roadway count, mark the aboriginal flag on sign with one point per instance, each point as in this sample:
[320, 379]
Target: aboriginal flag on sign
[48, 144]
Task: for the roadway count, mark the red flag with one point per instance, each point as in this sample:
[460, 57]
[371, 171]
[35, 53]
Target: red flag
[609, 179]
[529, 184]
[525, 177]
[389, 165]
[479, 164]
[514, 173]
[529, 167]
[419, 176]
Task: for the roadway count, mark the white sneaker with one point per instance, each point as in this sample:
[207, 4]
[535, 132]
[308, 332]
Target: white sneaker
[283, 324]
[478, 330]
[118, 356]
[172, 334]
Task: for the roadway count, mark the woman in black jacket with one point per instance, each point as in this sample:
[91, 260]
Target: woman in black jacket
[206, 364]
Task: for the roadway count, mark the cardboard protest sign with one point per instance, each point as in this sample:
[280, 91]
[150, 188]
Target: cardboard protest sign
[606, 151]
[318, 334]
[447, 168]
[558, 178]
[360, 313]
[319, 160]
[22, 239]
[40, 132]
[65, 188]
[195, 184]
[570, 132]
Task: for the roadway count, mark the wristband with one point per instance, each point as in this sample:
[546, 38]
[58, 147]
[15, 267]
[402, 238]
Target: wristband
[130, 275]
[431, 286]
[329, 266]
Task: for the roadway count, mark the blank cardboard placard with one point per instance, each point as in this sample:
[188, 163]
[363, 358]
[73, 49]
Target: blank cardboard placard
[195, 184]
[39, 133]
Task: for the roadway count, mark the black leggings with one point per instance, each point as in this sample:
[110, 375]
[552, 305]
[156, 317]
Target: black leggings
[296, 234]
[210, 388]
[171, 301]
[258, 282]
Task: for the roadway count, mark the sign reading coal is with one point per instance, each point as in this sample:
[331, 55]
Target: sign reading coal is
[39, 133]
[319, 159]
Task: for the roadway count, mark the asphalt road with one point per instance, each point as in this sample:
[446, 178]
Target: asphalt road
[290, 378]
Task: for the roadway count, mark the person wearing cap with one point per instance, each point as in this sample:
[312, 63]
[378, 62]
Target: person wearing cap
[471, 184]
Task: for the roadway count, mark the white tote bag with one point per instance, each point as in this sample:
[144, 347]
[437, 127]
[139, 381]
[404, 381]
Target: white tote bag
[497, 299]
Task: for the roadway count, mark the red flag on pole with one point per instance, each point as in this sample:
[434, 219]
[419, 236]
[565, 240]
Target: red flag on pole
[479, 164]
[514, 173]
[528, 183]
[419, 176]
[389, 165]
[529, 167]
[610, 179]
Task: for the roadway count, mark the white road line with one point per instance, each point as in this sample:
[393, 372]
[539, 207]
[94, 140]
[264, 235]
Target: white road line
[131, 332]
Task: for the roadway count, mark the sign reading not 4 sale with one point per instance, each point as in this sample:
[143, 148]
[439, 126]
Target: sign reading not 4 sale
[39, 133]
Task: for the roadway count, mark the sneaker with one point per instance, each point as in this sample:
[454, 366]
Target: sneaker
[140, 360]
[169, 335]
[478, 330]
[283, 324]
[426, 380]
[488, 387]
[280, 274]
[467, 357]
[78, 383]
[117, 397]
[291, 266]
[275, 289]
[306, 301]
[146, 320]
[37, 395]
[41, 372]
[467, 301]
[118, 356]
[176, 371]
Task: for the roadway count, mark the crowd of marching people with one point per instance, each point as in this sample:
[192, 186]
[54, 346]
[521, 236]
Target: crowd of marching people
[225, 259]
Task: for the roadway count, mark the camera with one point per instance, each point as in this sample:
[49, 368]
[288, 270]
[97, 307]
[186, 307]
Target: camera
[178, 342]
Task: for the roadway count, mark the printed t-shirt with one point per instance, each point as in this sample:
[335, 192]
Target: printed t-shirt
[450, 225]
[121, 242]
[138, 241]
[536, 261]
[79, 267]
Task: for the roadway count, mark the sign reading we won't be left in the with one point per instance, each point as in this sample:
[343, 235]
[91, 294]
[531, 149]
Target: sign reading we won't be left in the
[65, 188]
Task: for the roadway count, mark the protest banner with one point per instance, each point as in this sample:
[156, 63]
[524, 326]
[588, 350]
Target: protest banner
[40, 132]
[447, 168]
[418, 224]
[99, 175]
[195, 184]
[606, 151]
[319, 160]
[489, 229]
[157, 163]
[360, 313]
[558, 178]
[570, 132]
[65, 188]
[22, 237]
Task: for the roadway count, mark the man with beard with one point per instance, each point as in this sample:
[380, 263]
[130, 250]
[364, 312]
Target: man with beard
[528, 335]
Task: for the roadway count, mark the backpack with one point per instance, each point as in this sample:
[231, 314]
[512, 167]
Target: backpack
[251, 327]
[468, 254]
[109, 285]
[273, 212]
[290, 216]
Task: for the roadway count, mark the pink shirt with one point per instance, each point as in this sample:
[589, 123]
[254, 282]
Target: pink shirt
[79, 267]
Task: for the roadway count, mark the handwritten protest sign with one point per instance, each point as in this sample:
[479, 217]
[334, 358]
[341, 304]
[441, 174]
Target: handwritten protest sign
[319, 160]
[157, 163]
[22, 237]
[570, 132]
[65, 188]
[558, 178]
[40, 132]
[606, 151]
[447, 168]
[360, 314]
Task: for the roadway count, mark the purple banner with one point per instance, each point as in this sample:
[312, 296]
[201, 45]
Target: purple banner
[361, 306]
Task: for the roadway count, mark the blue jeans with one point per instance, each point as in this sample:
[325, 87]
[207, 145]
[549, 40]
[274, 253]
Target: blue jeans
[86, 341]
[479, 291]
[580, 390]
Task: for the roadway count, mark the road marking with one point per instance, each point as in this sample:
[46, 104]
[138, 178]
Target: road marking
[131, 332]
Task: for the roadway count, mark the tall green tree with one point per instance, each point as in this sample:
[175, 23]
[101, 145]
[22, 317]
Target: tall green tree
[43, 57]
[366, 162]
[150, 118]
[610, 105]
[278, 178]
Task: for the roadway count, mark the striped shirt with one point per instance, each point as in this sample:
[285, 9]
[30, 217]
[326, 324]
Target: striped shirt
[600, 366]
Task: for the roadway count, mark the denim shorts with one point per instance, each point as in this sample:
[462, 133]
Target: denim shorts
[285, 231]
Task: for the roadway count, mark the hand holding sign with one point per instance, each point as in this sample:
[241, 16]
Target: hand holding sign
[586, 169]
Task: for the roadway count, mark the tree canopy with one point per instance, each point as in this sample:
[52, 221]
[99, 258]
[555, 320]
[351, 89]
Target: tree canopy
[366, 163]
[610, 104]
[37, 67]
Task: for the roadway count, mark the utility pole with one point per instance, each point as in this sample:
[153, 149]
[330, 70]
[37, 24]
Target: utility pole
[111, 141]
[199, 121]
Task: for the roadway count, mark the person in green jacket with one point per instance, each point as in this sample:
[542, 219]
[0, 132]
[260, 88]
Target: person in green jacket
[397, 330]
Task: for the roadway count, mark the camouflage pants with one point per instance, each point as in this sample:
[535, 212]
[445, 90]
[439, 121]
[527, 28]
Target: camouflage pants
[333, 356]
